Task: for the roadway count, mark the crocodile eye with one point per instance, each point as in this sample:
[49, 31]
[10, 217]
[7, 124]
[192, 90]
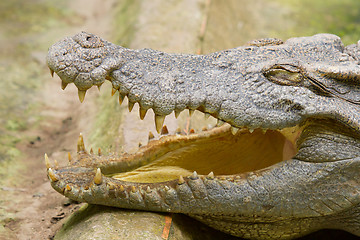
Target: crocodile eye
[284, 75]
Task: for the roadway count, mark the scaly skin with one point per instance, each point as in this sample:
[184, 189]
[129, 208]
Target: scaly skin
[311, 82]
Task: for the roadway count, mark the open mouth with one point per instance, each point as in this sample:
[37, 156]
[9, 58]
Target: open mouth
[219, 151]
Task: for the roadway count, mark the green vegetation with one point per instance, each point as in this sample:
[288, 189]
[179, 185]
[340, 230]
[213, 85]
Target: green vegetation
[33, 16]
[331, 16]
[126, 14]
[106, 129]
[22, 70]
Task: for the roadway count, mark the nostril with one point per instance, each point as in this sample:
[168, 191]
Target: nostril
[88, 38]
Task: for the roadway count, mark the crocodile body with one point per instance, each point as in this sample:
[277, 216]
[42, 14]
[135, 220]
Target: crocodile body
[305, 91]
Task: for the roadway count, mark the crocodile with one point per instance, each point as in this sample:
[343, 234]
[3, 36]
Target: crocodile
[285, 164]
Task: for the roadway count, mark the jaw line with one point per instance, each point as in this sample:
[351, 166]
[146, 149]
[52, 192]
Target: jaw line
[215, 151]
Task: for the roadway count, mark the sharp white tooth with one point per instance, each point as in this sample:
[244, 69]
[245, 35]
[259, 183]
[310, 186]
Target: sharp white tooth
[110, 185]
[121, 98]
[113, 91]
[251, 130]
[177, 113]
[99, 151]
[56, 164]
[52, 175]
[69, 157]
[142, 113]
[181, 180]
[151, 136]
[148, 189]
[207, 115]
[131, 106]
[211, 175]
[80, 144]
[191, 112]
[47, 161]
[264, 130]
[81, 94]
[164, 130]
[219, 123]
[98, 177]
[234, 130]
[159, 122]
[194, 176]
[63, 85]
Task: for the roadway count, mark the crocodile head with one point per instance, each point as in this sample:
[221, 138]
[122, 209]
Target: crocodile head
[286, 164]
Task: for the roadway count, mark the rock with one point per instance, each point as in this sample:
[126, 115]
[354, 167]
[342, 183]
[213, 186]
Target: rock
[101, 222]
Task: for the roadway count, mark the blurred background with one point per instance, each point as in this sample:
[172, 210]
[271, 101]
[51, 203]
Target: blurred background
[36, 116]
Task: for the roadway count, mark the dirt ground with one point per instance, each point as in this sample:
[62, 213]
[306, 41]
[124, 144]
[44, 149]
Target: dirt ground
[31, 208]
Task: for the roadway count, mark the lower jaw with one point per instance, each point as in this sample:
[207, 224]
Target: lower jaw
[222, 153]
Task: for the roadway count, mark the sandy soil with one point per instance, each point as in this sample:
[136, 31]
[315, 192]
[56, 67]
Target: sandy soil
[38, 210]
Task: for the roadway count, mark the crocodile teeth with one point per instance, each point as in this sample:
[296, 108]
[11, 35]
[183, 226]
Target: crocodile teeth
[219, 123]
[99, 151]
[121, 98]
[177, 113]
[151, 136]
[148, 190]
[121, 188]
[68, 188]
[159, 122]
[80, 144]
[91, 151]
[133, 189]
[69, 157]
[207, 115]
[131, 106]
[56, 164]
[113, 91]
[99, 86]
[52, 175]
[234, 130]
[191, 112]
[251, 130]
[47, 161]
[81, 94]
[98, 177]
[264, 130]
[142, 113]
[51, 72]
[63, 85]
[194, 176]
[164, 130]
[211, 175]
[181, 180]
[111, 185]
